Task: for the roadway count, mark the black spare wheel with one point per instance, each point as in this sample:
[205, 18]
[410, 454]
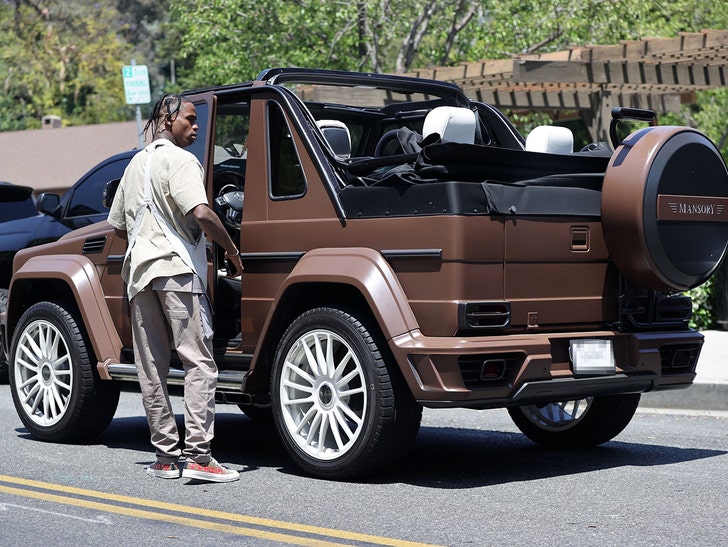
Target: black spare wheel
[665, 208]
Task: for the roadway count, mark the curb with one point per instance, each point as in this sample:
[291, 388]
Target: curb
[699, 396]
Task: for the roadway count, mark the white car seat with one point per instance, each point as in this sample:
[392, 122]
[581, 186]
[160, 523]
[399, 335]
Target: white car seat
[550, 138]
[452, 123]
[337, 135]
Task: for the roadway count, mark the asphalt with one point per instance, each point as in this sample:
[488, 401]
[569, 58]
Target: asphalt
[710, 389]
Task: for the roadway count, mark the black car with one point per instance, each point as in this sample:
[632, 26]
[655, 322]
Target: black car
[22, 226]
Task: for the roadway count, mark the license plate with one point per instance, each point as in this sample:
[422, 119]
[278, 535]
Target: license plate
[592, 356]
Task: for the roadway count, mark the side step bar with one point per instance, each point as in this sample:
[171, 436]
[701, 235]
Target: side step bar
[229, 383]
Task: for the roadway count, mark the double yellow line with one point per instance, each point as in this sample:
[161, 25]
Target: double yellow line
[219, 521]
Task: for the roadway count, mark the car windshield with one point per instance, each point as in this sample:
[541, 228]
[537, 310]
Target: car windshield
[357, 96]
[371, 106]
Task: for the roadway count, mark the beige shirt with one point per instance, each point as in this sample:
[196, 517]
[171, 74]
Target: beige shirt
[177, 188]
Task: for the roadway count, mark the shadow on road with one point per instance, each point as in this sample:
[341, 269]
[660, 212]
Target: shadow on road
[446, 457]
[443, 457]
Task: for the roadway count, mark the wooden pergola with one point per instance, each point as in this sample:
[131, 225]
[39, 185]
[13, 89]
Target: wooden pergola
[655, 73]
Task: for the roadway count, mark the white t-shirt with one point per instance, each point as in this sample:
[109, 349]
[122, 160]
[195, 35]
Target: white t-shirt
[177, 188]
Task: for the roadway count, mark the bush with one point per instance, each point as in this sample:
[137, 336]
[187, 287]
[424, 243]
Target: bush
[703, 306]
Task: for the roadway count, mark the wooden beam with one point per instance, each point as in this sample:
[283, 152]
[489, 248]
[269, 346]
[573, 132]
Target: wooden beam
[527, 70]
[686, 75]
[599, 116]
[656, 73]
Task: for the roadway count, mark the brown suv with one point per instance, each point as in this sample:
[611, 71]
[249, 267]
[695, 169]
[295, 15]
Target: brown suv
[403, 246]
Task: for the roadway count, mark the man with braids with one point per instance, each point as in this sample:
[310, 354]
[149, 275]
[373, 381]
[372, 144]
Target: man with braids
[161, 208]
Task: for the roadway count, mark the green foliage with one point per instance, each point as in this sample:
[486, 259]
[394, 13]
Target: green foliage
[708, 114]
[372, 35]
[548, 25]
[703, 300]
[62, 58]
[226, 41]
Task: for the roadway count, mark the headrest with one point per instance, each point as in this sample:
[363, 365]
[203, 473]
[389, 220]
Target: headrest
[337, 135]
[550, 138]
[452, 123]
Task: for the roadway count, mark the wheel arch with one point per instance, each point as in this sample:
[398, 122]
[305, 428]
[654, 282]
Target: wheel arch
[354, 278]
[68, 278]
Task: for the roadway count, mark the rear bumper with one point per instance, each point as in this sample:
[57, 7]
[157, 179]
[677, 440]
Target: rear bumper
[536, 368]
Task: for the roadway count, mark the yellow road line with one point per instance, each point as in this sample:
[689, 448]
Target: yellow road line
[172, 519]
[198, 512]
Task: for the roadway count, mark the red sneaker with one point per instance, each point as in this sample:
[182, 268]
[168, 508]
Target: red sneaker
[211, 471]
[164, 470]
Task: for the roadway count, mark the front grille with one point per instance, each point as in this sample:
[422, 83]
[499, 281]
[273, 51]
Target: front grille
[94, 245]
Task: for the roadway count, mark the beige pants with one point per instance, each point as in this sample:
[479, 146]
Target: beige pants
[162, 320]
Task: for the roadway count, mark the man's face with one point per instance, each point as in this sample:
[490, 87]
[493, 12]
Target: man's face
[184, 125]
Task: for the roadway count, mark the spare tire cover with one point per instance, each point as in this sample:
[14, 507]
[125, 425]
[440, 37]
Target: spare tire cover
[665, 208]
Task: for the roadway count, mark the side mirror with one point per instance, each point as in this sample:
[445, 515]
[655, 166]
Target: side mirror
[49, 204]
[107, 197]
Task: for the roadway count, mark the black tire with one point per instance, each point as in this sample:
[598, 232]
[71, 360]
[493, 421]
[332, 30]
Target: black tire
[351, 419]
[4, 377]
[576, 424]
[55, 386]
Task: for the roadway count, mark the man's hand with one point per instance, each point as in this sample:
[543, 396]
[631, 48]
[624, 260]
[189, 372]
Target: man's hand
[234, 261]
[211, 225]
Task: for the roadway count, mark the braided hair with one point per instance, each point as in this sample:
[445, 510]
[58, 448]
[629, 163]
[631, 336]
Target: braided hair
[168, 105]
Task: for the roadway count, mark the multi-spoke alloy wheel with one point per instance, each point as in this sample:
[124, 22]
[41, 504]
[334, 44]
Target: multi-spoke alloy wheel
[323, 394]
[578, 423]
[557, 416]
[338, 408]
[43, 373]
[56, 389]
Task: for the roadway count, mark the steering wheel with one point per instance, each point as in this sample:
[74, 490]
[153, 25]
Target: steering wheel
[386, 145]
[229, 147]
[229, 205]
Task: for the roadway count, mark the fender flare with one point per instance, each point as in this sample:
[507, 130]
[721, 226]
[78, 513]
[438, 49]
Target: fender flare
[362, 268]
[368, 271]
[80, 275]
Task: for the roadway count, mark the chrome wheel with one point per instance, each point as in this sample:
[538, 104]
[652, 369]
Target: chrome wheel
[323, 395]
[557, 416]
[43, 373]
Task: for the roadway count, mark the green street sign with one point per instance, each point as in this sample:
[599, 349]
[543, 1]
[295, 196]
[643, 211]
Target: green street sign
[136, 84]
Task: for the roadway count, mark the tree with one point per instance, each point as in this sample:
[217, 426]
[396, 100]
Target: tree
[64, 58]
[224, 41]
[373, 35]
[55, 60]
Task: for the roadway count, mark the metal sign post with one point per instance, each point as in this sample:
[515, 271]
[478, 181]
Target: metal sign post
[136, 90]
